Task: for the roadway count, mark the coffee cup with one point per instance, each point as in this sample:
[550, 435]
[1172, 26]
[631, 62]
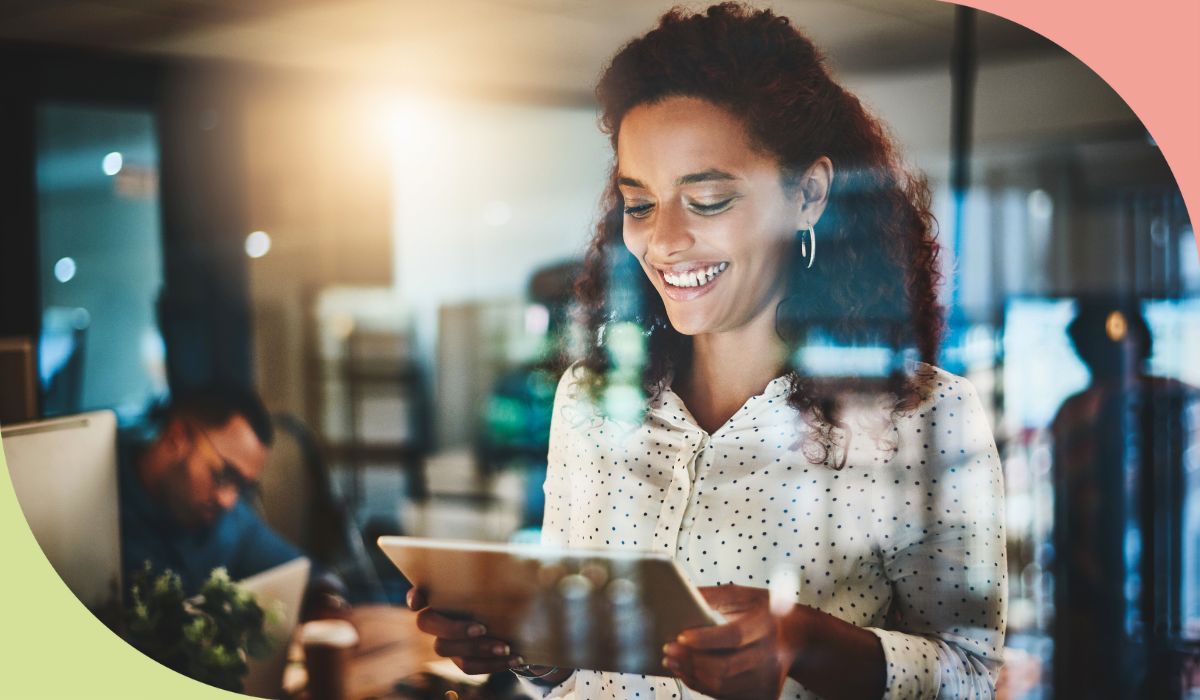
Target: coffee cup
[328, 645]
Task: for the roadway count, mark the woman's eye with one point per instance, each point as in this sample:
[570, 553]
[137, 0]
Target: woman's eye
[639, 211]
[710, 209]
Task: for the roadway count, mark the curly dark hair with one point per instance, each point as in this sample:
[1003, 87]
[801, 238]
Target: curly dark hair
[876, 279]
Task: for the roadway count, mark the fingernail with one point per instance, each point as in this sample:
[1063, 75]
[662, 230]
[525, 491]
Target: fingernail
[476, 630]
[501, 650]
[670, 649]
[670, 664]
[516, 661]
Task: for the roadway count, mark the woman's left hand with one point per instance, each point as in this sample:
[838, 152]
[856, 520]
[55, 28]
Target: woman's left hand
[748, 657]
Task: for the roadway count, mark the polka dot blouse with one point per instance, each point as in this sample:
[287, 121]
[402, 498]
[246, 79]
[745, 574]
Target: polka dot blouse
[906, 538]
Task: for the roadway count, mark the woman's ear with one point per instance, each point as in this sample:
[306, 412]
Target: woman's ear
[814, 191]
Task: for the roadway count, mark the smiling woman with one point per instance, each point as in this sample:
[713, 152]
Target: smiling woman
[756, 127]
[850, 531]
[709, 217]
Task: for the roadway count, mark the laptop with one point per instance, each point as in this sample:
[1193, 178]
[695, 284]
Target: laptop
[64, 472]
[279, 591]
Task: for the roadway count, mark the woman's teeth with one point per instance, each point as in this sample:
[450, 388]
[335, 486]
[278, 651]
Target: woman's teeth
[694, 278]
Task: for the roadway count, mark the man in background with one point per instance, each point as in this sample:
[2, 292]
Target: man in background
[184, 495]
[1120, 449]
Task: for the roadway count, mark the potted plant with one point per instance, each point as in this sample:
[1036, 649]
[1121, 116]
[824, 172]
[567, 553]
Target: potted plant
[207, 636]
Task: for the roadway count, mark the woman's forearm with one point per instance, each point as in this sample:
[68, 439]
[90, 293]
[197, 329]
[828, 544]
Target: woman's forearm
[833, 658]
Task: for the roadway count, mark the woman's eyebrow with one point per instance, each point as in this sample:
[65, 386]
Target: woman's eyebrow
[710, 175]
[704, 176]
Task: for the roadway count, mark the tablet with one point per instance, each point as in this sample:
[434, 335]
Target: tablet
[604, 610]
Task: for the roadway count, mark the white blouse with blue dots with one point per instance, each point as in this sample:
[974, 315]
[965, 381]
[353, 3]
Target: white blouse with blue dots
[906, 539]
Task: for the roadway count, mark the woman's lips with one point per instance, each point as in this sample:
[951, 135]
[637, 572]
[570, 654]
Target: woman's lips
[682, 293]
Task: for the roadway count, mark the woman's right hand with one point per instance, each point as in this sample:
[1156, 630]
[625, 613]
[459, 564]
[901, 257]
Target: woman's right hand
[465, 642]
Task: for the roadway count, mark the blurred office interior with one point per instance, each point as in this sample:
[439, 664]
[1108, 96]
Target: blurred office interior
[373, 212]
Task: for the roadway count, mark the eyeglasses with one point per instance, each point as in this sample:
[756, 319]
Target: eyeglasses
[227, 474]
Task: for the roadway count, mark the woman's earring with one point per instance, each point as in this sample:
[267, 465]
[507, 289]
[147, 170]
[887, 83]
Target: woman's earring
[808, 244]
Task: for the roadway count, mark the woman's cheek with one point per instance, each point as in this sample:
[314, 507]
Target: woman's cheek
[628, 233]
[634, 241]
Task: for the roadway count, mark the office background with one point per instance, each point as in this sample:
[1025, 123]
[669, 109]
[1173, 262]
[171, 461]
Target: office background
[407, 201]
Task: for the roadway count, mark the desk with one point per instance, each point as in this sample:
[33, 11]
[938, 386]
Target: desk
[390, 648]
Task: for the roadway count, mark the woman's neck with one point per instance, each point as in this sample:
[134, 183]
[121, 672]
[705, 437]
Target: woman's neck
[730, 367]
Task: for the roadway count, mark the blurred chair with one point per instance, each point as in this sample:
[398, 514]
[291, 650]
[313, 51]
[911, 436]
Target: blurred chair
[298, 501]
[18, 401]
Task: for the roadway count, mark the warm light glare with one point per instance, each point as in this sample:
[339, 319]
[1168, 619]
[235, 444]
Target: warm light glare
[411, 120]
[64, 269]
[112, 164]
[258, 244]
[1115, 325]
[422, 131]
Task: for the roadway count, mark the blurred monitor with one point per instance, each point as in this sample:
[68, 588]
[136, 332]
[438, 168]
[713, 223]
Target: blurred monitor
[1041, 368]
[64, 472]
[18, 399]
[1175, 327]
[832, 360]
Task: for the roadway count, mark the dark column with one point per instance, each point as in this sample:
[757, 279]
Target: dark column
[204, 307]
[19, 302]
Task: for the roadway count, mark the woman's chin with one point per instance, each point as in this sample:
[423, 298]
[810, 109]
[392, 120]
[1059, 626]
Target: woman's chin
[688, 324]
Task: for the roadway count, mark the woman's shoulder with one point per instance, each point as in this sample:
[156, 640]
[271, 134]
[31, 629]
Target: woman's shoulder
[584, 399]
[934, 386]
[574, 384]
[949, 421]
[574, 399]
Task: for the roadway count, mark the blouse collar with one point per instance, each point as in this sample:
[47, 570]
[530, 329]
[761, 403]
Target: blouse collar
[670, 408]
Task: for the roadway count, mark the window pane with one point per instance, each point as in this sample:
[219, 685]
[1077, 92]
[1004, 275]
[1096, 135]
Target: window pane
[100, 259]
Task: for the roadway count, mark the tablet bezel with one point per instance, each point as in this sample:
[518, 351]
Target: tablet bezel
[521, 593]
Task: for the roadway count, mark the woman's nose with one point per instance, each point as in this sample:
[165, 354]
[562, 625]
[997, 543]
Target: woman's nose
[669, 235]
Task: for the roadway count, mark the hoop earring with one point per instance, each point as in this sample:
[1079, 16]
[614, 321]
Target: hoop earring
[808, 245]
